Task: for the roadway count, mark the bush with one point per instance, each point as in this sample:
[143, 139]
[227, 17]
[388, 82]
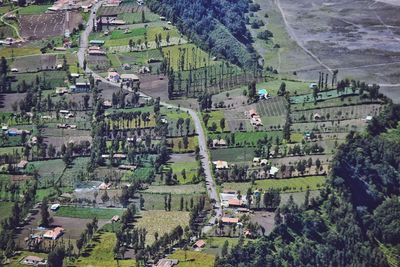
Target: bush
[254, 7]
[265, 35]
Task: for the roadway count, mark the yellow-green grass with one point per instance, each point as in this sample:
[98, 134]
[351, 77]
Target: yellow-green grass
[197, 58]
[132, 18]
[189, 167]
[88, 213]
[193, 259]
[216, 116]
[11, 150]
[126, 124]
[296, 137]
[174, 142]
[102, 254]
[5, 209]
[72, 61]
[33, 9]
[188, 189]
[272, 86]
[214, 244]
[161, 222]
[286, 185]
[8, 52]
[391, 253]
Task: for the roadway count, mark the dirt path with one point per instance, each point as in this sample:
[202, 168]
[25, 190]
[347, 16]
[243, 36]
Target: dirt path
[10, 25]
[294, 37]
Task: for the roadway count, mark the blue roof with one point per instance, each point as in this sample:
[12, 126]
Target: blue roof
[262, 92]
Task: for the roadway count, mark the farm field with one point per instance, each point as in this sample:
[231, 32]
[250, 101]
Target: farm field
[161, 222]
[174, 144]
[285, 185]
[247, 138]
[155, 201]
[5, 209]
[176, 189]
[193, 258]
[189, 167]
[233, 155]
[101, 254]
[88, 213]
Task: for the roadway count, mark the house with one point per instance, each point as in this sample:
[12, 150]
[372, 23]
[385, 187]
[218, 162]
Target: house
[96, 42]
[97, 53]
[252, 112]
[22, 164]
[167, 263]
[107, 104]
[220, 164]
[263, 162]
[129, 78]
[33, 260]
[368, 118]
[144, 69]
[14, 70]
[228, 220]
[115, 218]
[127, 167]
[126, 66]
[54, 234]
[61, 90]
[262, 93]
[313, 85]
[104, 186]
[54, 207]
[273, 171]
[199, 244]
[234, 202]
[219, 142]
[256, 160]
[113, 76]
[75, 75]
[317, 116]
[81, 86]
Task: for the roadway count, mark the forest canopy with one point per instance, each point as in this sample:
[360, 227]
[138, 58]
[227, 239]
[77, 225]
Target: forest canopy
[218, 26]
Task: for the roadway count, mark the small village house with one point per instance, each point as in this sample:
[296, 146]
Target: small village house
[54, 234]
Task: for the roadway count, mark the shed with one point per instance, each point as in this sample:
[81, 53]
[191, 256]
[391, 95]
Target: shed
[129, 77]
[228, 220]
[220, 164]
[22, 164]
[199, 244]
[54, 234]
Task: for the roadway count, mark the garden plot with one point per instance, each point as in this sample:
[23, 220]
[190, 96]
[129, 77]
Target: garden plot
[323, 95]
[237, 120]
[129, 7]
[48, 24]
[337, 113]
[99, 62]
[334, 102]
[276, 106]
[343, 126]
[35, 63]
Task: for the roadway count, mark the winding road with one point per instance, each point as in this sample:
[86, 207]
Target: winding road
[204, 157]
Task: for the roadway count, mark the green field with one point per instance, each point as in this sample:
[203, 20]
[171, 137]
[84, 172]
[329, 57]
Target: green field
[11, 150]
[33, 9]
[188, 189]
[101, 253]
[285, 185]
[136, 17]
[248, 138]
[161, 222]
[49, 170]
[233, 155]
[189, 167]
[5, 209]
[174, 143]
[156, 201]
[215, 117]
[88, 213]
[8, 52]
[15, 261]
[193, 259]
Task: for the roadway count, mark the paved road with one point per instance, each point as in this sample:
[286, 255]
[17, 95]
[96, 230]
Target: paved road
[210, 184]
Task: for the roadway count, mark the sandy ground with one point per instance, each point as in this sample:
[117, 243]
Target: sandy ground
[359, 38]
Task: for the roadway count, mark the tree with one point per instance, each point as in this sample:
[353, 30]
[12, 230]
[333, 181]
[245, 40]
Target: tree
[277, 217]
[105, 198]
[282, 89]
[44, 212]
[222, 124]
[252, 90]
[143, 17]
[56, 257]
[272, 199]
[141, 202]
[224, 250]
